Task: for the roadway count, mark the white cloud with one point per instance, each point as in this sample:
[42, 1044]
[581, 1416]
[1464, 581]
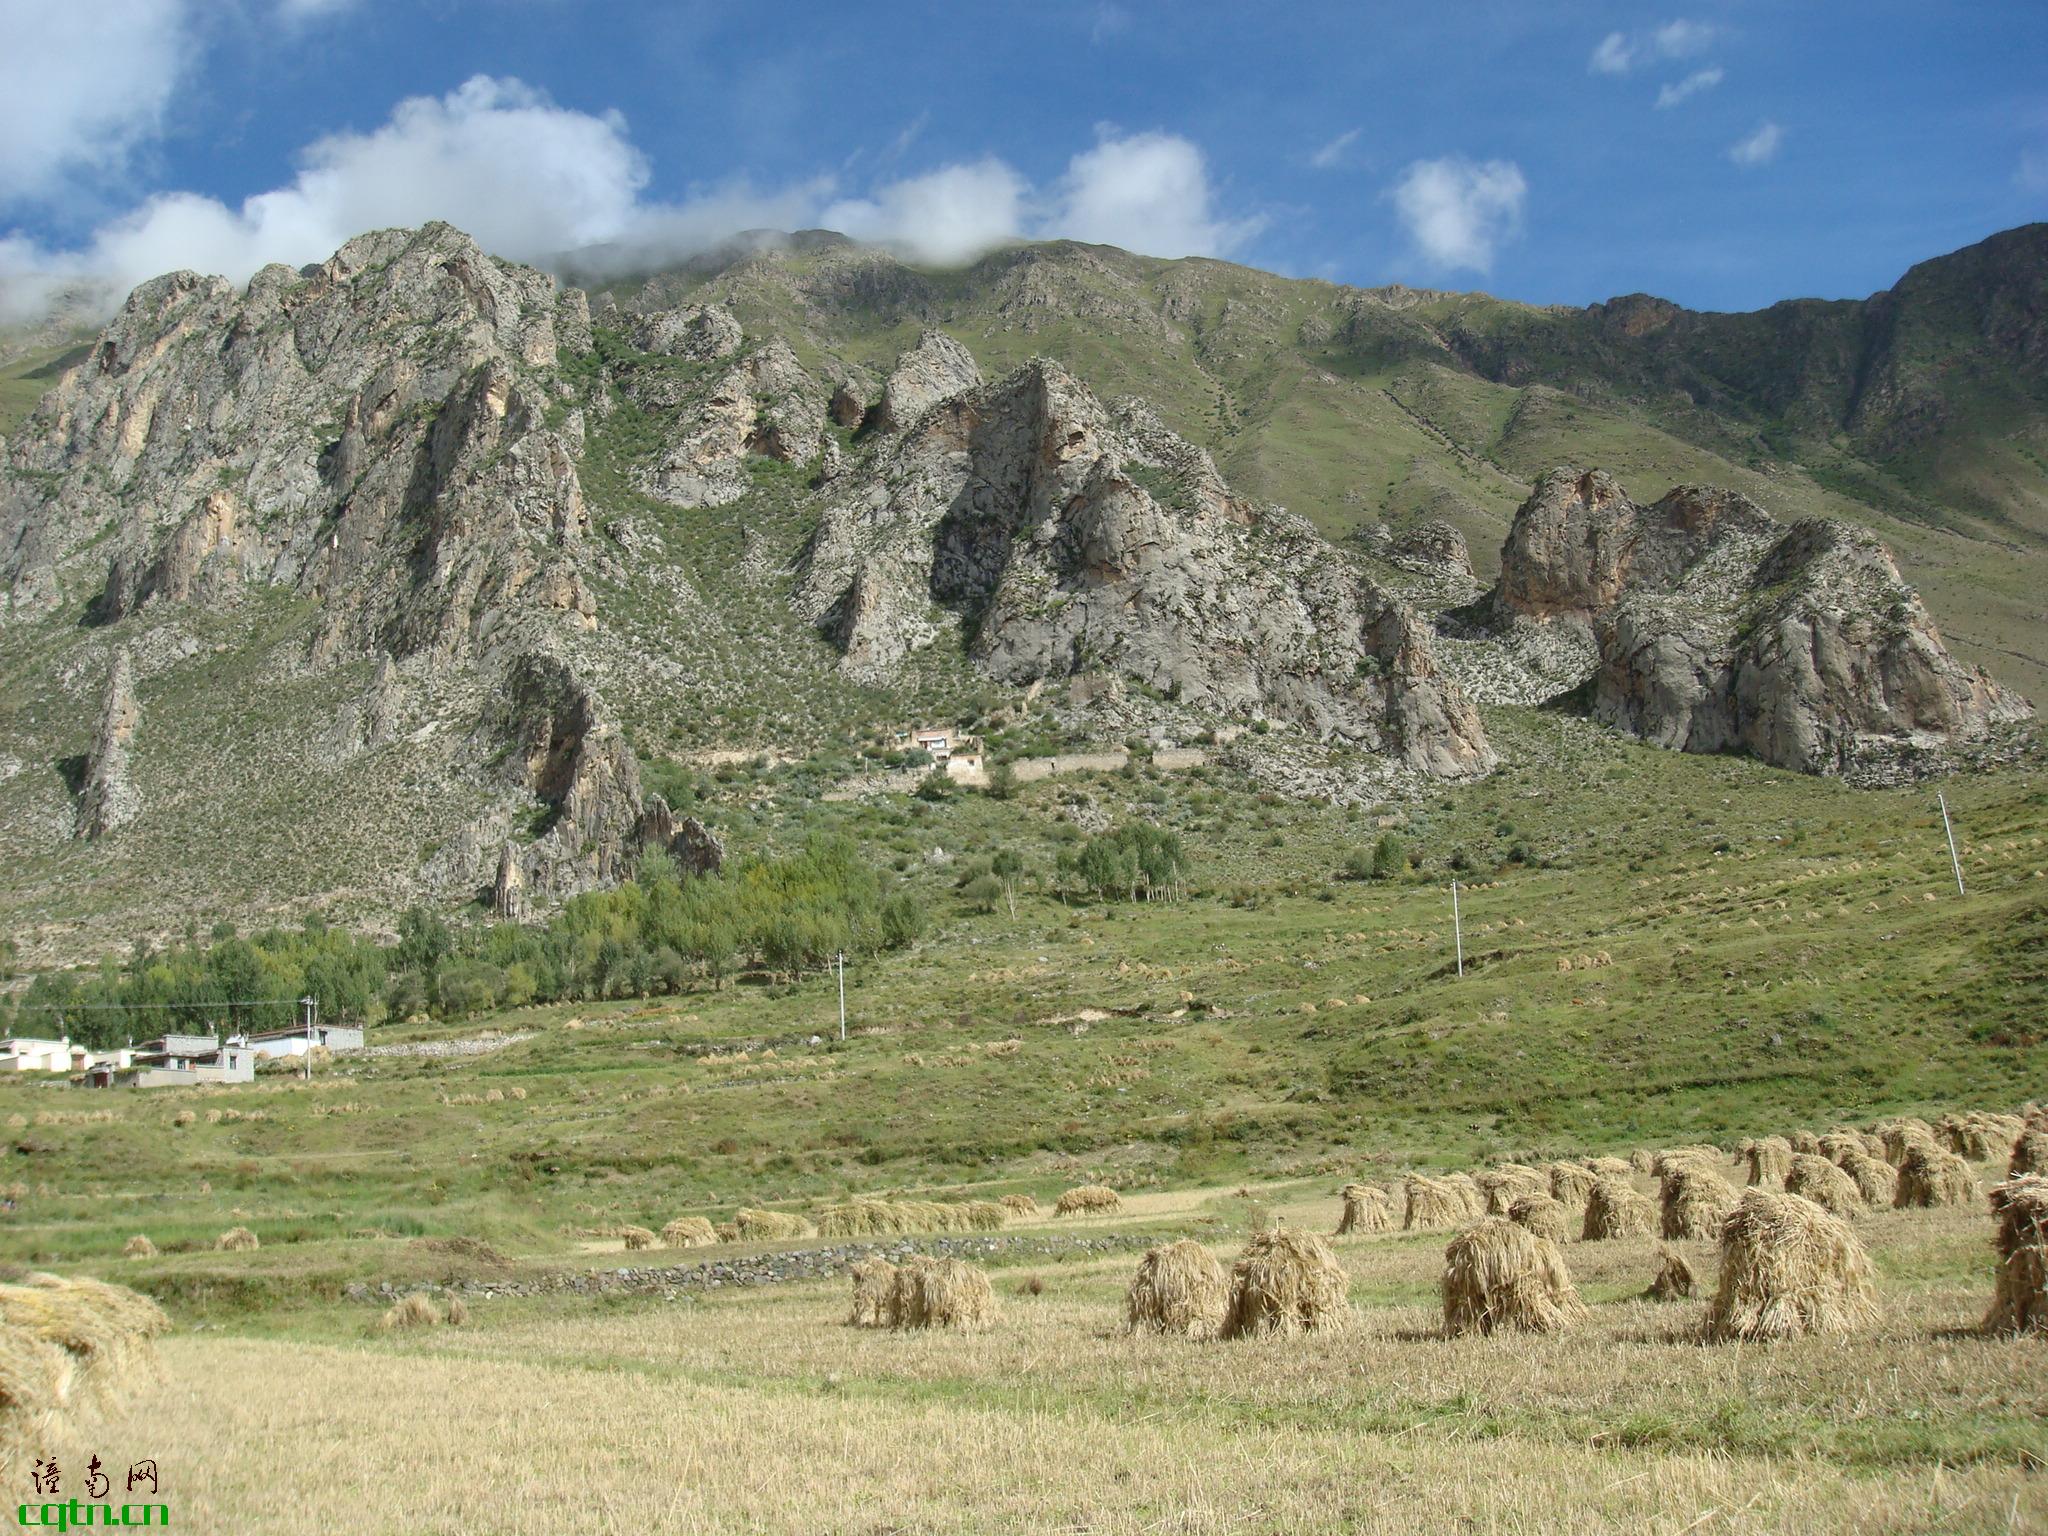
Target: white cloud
[1612, 57]
[1681, 39]
[945, 215]
[1617, 53]
[1146, 192]
[1459, 211]
[1332, 153]
[81, 86]
[1672, 93]
[1760, 147]
[533, 181]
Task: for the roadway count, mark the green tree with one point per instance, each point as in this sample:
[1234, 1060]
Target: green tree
[1389, 858]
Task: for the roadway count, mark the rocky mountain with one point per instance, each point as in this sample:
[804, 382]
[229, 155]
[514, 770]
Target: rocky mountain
[1702, 624]
[402, 577]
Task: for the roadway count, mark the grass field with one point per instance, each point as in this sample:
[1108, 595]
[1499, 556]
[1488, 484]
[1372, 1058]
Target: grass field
[758, 1410]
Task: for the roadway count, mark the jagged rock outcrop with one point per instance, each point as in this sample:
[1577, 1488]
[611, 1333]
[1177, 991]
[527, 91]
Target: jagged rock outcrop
[765, 404]
[936, 369]
[108, 798]
[1707, 626]
[703, 333]
[374, 431]
[1064, 537]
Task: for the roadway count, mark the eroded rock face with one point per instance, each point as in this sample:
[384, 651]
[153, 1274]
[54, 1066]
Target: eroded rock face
[1065, 537]
[1709, 627]
[936, 369]
[765, 404]
[372, 433]
[108, 799]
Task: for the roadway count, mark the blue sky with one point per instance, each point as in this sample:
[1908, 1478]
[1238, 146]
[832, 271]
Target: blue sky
[1724, 155]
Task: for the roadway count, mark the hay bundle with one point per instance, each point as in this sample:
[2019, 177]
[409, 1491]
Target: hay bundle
[1929, 1176]
[636, 1238]
[35, 1381]
[1674, 1278]
[1180, 1288]
[458, 1313]
[1769, 1159]
[1432, 1203]
[1540, 1214]
[1815, 1178]
[1020, 1205]
[1899, 1136]
[1286, 1281]
[1674, 1157]
[689, 1232]
[874, 1294]
[236, 1240]
[755, 1226]
[1694, 1200]
[1088, 1198]
[1570, 1185]
[1840, 1142]
[1502, 1276]
[1788, 1267]
[2019, 1304]
[414, 1311]
[1366, 1209]
[1608, 1168]
[1467, 1189]
[66, 1345]
[2029, 1154]
[1877, 1181]
[865, 1216]
[1981, 1137]
[138, 1247]
[1805, 1141]
[1640, 1161]
[941, 1293]
[1617, 1209]
[1504, 1185]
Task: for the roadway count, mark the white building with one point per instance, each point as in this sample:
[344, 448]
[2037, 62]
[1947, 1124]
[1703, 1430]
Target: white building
[275, 1043]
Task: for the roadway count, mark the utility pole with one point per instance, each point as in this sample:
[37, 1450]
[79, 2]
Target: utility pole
[841, 957]
[1457, 925]
[1955, 863]
[312, 1008]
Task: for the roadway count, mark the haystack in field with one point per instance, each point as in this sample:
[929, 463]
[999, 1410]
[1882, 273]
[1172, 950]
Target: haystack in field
[1180, 1288]
[1804, 1141]
[941, 1293]
[1570, 1185]
[865, 1216]
[689, 1232]
[1468, 1190]
[1673, 1157]
[1499, 1276]
[2029, 1154]
[1930, 1176]
[2019, 1303]
[1286, 1281]
[1366, 1209]
[1674, 1279]
[757, 1226]
[1877, 1181]
[1432, 1203]
[1505, 1184]
[236, 1240]
[1769, 1159]
[874, 1293]
[65, 1346]
[1607, 1168]
[1640, 1161]
[1694, 1200]
[1815, 1178]
[1980, 1137]
[416, 1310]
[1088, 1199]
[1540, 1214]
[1901, 1135]
[1840, 1142]
[138, 1247]
[636, 1238]
[1617, 1209]
[1788, 1267]
[1020, 1205]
